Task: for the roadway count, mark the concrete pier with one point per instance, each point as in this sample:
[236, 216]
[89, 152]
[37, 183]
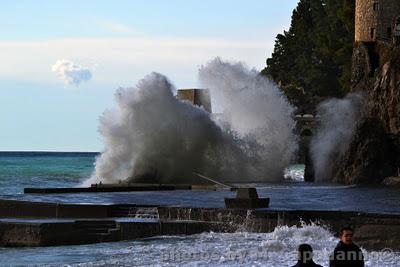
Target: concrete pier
[31, 233]
[108, 188]
[128, 187]
[24, 223]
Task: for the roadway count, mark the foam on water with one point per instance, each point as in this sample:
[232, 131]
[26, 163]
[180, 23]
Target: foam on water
[208, 249]
[294, 173]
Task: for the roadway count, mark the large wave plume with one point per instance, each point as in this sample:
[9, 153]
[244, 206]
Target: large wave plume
[152, 136]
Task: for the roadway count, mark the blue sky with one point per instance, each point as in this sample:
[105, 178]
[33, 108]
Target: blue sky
[119, 42]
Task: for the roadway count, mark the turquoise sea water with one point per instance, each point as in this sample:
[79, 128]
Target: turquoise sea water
[62, 169]
[43, 169]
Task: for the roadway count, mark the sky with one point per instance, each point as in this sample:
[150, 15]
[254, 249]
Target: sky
[61, 61]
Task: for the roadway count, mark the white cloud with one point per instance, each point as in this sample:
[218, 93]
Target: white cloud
[70, 73]
[122, 61]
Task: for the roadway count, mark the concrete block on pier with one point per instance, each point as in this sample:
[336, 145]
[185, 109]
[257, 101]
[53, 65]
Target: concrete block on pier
[248, 193]
[246, 198]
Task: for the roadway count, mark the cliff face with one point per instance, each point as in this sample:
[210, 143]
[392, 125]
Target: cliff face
[374, 152]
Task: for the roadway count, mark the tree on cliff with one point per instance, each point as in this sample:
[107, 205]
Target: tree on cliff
[313, 58]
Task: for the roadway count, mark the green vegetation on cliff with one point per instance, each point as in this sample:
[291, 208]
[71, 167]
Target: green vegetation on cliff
[312, 60]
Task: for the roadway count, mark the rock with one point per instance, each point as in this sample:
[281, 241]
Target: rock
[392, 181]
[374, 152]
[370, 157]
[380, 81]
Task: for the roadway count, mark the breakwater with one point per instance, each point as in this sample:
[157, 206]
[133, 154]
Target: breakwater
[25, 223]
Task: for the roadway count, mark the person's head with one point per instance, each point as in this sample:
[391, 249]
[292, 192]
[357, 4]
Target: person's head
[305, 253]
[346, 235]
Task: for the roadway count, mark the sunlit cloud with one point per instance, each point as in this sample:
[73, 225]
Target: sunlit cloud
[71, 73]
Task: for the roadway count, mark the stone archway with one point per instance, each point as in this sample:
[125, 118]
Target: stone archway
[306, 125]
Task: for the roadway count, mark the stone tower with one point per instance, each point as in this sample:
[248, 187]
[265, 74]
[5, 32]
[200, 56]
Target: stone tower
[198, 97]
[376, 20]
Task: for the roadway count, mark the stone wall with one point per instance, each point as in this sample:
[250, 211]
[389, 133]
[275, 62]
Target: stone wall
[366, 18]
[23, 209]
[373, 231]
[376, 14]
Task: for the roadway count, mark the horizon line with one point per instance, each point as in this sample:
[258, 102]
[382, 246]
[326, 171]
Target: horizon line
[46, 151]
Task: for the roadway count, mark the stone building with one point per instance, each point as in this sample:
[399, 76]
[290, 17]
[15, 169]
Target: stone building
[377, 20]
[198, 97]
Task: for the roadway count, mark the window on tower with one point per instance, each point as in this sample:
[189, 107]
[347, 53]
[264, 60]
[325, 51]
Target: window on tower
[375, 6]
[373, 33]
[397, 27]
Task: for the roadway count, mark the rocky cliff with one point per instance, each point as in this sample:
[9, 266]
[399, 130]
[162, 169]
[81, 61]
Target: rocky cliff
[374, 152]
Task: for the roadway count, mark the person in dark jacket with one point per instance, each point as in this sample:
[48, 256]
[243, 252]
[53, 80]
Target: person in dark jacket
[305, 254]
[346, 253]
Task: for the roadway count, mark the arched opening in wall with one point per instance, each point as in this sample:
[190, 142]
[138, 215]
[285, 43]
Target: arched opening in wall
[296, 172]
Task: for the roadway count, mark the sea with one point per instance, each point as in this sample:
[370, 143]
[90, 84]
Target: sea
[19, 170]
